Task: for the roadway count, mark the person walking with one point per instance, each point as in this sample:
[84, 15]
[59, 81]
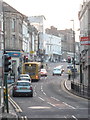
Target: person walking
[69, 74]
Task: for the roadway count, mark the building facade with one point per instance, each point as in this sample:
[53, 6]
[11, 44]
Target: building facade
[20, 37]
[13, 35]
[38, 22]
[52, 48]
[67, 40]
[84, 18]
[1, 54]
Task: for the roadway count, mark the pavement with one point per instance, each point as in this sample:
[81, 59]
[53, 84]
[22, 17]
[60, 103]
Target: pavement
[81, 93]
[11, 114]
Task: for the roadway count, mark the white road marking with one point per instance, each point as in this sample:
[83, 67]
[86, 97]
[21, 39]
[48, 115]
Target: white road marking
[41, 87]
[55, 98]
[39, 107]
[44, 93]
[69, 105]
[25, 118]
[41, 98]
[42, 90]
[35, 91]
[65, 117]
[74, 117]
[51, 104]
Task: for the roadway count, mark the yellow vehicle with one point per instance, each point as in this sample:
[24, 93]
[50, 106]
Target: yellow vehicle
[33, 69]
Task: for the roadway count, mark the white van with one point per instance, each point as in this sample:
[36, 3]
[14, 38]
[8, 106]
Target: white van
[58, 70]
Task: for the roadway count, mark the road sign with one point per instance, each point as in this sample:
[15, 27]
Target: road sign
[85, 40]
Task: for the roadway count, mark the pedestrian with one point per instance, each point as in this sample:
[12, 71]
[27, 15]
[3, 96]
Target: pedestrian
[69, 74]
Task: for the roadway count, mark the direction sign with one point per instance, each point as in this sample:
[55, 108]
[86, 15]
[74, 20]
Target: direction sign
[85, 40]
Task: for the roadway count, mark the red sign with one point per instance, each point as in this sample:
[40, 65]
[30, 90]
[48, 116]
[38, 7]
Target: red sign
[85, 40]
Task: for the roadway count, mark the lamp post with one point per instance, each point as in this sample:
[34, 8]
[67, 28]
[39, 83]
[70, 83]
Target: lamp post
[73, 51]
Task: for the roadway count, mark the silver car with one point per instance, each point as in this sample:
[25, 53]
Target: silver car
[22, 88]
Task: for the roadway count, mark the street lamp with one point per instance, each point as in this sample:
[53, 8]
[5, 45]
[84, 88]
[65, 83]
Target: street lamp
[73, 51]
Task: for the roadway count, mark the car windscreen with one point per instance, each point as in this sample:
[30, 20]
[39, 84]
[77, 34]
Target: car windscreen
[43, 70]
[24, 79]
[23, 84]
[56, 69]
[23, 76]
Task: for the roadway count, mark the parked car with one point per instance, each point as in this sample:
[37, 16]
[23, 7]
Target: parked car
[77, 62]
[22, 88]
[58, 70]
[73, 70]
[43, 72]
[69, 66]
[63, 60]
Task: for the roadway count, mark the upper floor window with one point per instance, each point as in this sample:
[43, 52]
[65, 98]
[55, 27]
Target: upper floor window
[13, 41]
[13, 25]
[20, 28]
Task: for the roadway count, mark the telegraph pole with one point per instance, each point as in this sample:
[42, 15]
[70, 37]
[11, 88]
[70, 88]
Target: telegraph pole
[5, 73]
[74, 50]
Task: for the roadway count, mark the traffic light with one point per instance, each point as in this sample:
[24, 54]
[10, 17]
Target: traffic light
[25, 58]
[69, 60]
[7, 63]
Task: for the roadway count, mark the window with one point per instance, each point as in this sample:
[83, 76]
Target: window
[13, 25]
[20, 28]
[13, 41]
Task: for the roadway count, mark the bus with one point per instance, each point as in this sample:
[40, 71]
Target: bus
[33, 69]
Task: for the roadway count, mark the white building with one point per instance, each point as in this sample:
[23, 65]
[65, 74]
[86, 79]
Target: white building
[26, 39]
[52, 46]
[39, 23]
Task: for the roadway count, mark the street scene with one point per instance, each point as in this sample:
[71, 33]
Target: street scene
[44, 71]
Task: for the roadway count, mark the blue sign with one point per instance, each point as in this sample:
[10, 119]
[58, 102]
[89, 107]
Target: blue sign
[14, 54]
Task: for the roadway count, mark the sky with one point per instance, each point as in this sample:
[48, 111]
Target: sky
[58, 13]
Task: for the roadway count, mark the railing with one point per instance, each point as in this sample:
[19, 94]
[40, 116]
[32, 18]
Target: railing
[80, 89]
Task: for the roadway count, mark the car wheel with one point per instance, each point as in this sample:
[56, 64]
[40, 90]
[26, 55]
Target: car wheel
[31, 95]
[53, 74]
[60, 74]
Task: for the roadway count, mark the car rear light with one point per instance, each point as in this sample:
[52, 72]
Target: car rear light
[36, 77]
[30, 88]
[15, 88]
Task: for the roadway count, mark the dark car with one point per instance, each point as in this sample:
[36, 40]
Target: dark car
[22, 88]
[73, 70]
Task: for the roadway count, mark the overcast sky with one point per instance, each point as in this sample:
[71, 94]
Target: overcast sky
[58, 13]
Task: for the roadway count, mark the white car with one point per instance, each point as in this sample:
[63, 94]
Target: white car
[24, 77]
[58, 70]
[43, 72]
